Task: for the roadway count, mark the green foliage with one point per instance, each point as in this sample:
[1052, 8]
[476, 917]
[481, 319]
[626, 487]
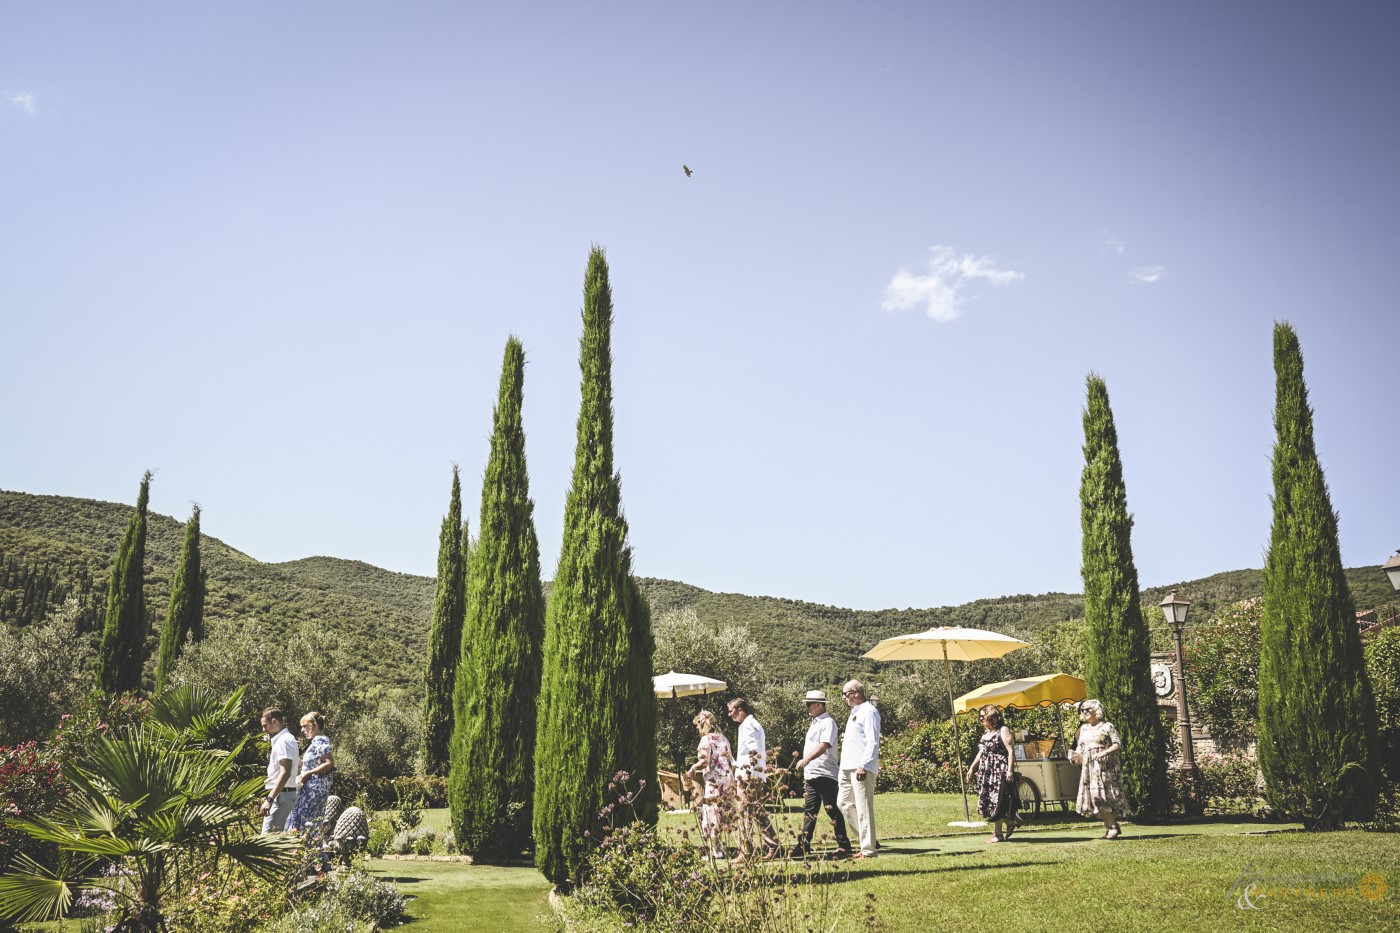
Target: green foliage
[590, 703]
[142, 812]
[723, 650]
[1222, 674]
[1224, 784]
[924, 757]
[227, 898]
[124, 633]
[43, 675]
[307, 670]
[1317, 720]
[1383, 666]
[1117, 662]
[445, 643]
[376, 745]
[498, 682]
[185, 618]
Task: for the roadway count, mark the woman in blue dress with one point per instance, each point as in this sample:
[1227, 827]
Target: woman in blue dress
[317, 769]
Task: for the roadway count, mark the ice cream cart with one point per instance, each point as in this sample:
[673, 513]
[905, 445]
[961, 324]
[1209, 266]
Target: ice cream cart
[1044, 773]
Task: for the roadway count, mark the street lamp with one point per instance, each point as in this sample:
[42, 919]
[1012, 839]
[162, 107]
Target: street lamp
[1175, 608]
[1392, 570]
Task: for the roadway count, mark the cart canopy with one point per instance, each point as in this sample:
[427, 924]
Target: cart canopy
[1024, 693]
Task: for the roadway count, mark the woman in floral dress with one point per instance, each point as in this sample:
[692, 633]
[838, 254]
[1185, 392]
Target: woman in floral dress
[995, 766]
[1101, 774]
[317, 767]
[714, 765]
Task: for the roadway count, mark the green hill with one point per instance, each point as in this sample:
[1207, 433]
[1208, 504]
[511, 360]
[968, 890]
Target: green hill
[52, 547]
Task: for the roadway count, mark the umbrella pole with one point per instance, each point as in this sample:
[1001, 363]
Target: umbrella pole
[957, 742]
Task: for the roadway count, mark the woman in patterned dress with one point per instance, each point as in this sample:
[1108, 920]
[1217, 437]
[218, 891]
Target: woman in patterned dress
[995, 766]
[317, 767]
[714, 765]
[1101, 774]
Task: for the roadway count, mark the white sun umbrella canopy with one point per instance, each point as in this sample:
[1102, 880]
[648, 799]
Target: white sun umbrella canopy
[950, 643]
[671, 685]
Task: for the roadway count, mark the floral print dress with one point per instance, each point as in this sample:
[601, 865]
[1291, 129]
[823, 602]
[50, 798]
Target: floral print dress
[996, 797]
[719, 775]
[311, 796]
[1100, 779]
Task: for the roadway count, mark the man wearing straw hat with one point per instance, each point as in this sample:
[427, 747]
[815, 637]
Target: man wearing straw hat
[819, 771]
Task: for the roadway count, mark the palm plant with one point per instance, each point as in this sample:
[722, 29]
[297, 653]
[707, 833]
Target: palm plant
[147, 812]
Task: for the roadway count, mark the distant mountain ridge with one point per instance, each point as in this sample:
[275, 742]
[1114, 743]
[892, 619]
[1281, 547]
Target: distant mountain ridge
[383, 616]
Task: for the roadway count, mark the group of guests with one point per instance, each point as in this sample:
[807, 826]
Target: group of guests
[1096, 751]
[297, 783]
[735, 779]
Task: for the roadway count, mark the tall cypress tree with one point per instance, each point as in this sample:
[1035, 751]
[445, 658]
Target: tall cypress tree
[1317, 724]
[1117, 651]
[493, 748]
[123, 650]
[597, 632]
[185, 617]
[445, 644]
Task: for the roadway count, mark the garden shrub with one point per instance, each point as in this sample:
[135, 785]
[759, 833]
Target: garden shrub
[923, 759]
[1222, 674]
[44, 672]
[230, 899]
[1228, 783]
[31, 784]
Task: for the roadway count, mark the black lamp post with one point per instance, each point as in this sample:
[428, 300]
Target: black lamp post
[1175, 608]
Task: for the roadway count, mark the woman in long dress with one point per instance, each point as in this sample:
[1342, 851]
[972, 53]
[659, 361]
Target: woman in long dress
[715, 767]
[317, 765]
[995, 767]
[1101, 769]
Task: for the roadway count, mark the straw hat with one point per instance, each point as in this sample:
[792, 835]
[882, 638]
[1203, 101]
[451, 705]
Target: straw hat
[814, 696]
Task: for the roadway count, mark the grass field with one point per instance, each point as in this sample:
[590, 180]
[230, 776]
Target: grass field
[1054, 874]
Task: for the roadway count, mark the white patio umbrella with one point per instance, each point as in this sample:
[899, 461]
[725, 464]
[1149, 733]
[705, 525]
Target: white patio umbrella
[950, 643]
[671, 685]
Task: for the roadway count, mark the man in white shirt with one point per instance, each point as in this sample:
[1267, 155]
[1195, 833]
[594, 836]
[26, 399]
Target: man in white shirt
[282, 761]
[820, 771]
[751, 773]
[860, 760]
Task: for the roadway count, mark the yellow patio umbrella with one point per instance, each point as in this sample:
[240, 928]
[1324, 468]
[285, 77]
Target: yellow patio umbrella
[951, 643]
[1025, 693]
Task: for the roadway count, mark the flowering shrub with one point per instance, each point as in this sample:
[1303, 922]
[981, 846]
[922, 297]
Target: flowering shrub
[30, 785]
[96, 717]
[923, 757]
[230, 899]
[1227, 784]
[640, 877]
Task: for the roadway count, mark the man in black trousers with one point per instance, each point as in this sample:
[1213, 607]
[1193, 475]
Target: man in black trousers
[819, 769]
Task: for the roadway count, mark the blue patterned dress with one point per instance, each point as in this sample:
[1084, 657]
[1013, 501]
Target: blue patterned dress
[311, 797]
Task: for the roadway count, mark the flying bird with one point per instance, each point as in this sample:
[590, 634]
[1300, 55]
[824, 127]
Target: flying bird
[688, 172]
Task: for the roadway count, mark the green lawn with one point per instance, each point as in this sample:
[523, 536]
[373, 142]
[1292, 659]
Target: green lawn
[1054, 874]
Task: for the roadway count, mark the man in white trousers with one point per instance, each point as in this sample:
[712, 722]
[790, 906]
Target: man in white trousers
[860, 761]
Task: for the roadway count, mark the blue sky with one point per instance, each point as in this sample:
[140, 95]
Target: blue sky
[274, 252]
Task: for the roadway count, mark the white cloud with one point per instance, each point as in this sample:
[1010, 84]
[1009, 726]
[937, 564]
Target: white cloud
[25, 101]
[941, 290]
[1147, 275]
[1112, 246]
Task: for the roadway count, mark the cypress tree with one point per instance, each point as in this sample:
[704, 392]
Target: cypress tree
[1317, 720]
[1117, 650]
[185, 617]
[598, 640]
[498, 684]
[445, 644]
[123, 650]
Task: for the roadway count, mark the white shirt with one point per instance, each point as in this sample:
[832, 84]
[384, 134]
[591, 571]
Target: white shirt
[751, 739]
[283, 746]
[822, 729]
[861, 746]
